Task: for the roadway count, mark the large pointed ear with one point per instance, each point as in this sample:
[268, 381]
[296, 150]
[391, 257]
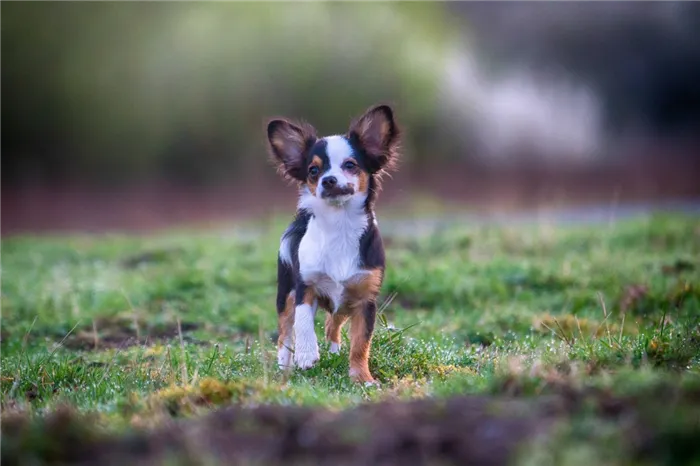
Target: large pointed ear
[288, 144]
[377, 133]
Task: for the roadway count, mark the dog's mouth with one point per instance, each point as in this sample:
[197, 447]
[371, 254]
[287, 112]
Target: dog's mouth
[337, 192]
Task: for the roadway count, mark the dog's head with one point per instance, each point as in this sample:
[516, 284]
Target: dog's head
[336, 168]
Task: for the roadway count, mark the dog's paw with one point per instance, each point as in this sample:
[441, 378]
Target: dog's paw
[305, 359]
[334, 348]
[284, 358]
[361, 376]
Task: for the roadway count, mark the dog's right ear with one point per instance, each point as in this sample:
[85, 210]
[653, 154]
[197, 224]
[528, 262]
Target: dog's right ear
[288, 144]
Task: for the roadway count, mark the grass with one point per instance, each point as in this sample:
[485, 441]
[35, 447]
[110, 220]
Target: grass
[141, 330]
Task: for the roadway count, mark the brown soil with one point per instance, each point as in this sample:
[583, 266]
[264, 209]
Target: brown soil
[463, 430]
[118, 332]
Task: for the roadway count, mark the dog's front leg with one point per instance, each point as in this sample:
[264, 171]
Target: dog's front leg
[305, 342]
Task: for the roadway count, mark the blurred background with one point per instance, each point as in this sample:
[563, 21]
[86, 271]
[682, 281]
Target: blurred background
[140, 115]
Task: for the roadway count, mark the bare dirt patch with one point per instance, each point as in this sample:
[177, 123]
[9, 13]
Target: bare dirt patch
[122, 332]
[463, 430]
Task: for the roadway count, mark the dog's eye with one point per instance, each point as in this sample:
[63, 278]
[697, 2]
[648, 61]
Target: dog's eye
[349, 165]
[313, 171]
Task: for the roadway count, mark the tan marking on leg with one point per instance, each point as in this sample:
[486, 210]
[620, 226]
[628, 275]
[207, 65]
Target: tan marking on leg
[360, 344]
[285, 321]
[309, 296]
[334, 323]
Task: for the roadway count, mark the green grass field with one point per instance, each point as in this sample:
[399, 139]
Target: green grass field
[137, 331]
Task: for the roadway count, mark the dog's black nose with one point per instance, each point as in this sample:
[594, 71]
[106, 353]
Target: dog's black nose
[329, 181]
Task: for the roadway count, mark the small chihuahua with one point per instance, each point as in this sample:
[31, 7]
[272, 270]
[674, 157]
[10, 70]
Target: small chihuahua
[331, 255]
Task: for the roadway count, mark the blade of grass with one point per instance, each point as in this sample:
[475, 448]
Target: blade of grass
[183, 355]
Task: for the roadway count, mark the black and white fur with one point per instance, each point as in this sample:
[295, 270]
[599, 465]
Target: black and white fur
[331, 255]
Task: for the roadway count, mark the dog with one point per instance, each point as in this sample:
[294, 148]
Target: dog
[331, 255]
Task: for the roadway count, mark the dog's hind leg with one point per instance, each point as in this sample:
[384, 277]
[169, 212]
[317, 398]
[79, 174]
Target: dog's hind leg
[361, 329]
[334, 322]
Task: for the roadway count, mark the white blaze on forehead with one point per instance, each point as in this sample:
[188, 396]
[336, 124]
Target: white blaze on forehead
[338, 150]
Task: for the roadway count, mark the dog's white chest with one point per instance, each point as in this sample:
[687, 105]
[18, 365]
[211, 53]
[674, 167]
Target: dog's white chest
[329, 255]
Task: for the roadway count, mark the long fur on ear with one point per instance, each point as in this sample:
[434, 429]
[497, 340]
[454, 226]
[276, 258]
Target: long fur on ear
[377, 133]
[288, 143]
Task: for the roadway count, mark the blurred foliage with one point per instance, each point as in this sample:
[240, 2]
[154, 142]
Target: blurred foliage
[643, 62]
[180, 90]
[134, 89]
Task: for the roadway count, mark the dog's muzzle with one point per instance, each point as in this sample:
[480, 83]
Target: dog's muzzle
[337, 191]
[331, 189]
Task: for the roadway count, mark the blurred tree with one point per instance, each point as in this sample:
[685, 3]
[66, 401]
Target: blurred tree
[644, 63]
[122, 91]
[129, 91]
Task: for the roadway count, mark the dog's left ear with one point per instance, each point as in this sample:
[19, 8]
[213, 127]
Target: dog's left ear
[377, 133]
